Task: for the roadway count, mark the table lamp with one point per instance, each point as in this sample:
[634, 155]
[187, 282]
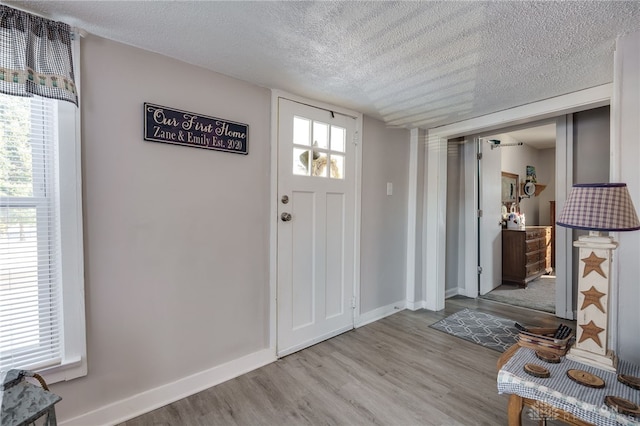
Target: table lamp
[596, 207]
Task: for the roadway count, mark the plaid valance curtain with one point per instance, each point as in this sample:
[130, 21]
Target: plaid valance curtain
[35, 56]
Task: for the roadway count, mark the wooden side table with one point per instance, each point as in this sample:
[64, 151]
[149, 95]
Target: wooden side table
[544, 409]
[517, 403]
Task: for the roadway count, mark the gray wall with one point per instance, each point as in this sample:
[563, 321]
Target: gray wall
[454, 278]
[177, 238]
[591, 136]
[627, 129]
[385, 158]
[546, 172]
[420, 185]
[591, 145]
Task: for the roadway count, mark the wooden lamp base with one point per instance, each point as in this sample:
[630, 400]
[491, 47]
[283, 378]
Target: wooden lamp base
[591, 346]
[608, 362]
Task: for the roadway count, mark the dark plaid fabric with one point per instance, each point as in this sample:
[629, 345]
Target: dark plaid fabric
[35, 56]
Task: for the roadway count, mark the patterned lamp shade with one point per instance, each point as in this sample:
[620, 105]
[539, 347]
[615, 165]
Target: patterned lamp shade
[599, 207]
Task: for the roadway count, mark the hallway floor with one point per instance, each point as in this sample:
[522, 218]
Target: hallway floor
[540, 294]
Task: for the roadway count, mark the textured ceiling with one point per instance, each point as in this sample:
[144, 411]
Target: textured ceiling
[410, 64]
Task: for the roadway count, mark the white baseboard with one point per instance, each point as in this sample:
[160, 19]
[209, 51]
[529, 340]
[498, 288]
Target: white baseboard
[454, 292]
[414, 306]
[144, 402]
[379, 313]
[421, 304]
[313, 341]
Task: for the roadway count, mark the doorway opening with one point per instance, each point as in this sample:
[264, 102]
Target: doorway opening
[517, 175]
[437, 261]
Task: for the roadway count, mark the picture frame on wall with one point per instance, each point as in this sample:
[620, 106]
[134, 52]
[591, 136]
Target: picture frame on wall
[510, 186]
[531, 174]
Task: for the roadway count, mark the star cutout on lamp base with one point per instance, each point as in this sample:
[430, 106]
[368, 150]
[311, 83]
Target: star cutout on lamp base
[591, 331]
[592, 322]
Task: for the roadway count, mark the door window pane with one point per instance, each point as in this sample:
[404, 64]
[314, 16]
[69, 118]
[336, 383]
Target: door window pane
[337, 138]
[301, 131]
[319, 164]
[300, 161]
[337, 166]
[320, 135]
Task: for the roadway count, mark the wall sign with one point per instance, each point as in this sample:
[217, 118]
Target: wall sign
[168, 125]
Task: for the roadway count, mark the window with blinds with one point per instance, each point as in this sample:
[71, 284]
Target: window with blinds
[30, 251]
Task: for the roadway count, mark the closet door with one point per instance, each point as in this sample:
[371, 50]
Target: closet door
[489, 222]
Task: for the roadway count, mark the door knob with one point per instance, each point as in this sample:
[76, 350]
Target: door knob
[286, 217]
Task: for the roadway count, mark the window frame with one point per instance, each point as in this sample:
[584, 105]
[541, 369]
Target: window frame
[73, 362]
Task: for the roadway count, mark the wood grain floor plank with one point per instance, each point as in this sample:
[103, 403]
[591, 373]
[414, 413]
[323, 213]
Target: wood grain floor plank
[395, 371]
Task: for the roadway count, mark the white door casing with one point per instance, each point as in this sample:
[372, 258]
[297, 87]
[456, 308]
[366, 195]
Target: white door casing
[489, 228]
[316, 243]
[436, 153]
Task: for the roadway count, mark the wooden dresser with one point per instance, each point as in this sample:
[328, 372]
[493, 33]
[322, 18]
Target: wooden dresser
[526, 254]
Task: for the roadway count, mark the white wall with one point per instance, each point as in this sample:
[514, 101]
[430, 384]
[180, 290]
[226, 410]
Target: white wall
[626, 128]
[385, 158]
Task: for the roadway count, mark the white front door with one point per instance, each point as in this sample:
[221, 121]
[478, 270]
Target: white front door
[490, 229]
[316, 221]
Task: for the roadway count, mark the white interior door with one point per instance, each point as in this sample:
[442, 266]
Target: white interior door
[316, 220]
[490, 229]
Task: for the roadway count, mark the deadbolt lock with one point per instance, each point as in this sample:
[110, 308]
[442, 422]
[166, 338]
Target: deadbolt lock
[285, 199]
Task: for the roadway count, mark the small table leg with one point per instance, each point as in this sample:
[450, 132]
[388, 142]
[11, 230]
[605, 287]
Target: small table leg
[514, 410]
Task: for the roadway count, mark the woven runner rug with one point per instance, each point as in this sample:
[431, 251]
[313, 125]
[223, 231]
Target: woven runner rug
[481, 328]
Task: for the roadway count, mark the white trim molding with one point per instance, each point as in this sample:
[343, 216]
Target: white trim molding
[412, 211]
[414, 306]
[454, 291]
[564, 236]
[273, 229]
[128, 408]
[379, 313]
[548, 108]
[434, 234]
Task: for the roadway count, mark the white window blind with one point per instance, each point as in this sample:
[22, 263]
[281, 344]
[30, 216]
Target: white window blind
[31, 329]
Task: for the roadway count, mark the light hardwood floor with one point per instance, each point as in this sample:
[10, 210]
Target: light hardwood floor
[395, 371]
